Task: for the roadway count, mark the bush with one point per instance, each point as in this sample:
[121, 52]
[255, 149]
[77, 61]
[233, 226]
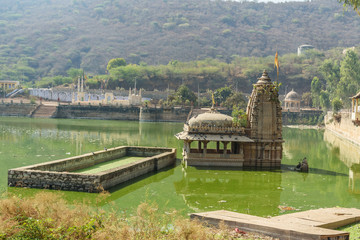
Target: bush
[336, 104]
[47, 216]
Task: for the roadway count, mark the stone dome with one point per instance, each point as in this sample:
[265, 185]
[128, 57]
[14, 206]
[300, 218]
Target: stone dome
[292, 95]
[211, 119]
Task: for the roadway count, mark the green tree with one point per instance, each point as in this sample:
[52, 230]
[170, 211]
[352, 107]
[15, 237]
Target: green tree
[336, 104]
[349, 77]
[330, 70]
[184, 94]
[316, 87]
[239, 117]
[74, 73]
[353, 3]
[222, 94]
[236, 100]
[306, 99]
[116, 62]
[324, 100]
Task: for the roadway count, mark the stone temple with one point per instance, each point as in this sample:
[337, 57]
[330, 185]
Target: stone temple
[212, 138]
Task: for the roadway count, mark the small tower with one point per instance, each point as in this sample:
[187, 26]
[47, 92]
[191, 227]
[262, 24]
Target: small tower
[264, 122]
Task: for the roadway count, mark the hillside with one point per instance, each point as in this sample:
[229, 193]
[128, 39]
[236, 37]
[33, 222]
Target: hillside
[47, 37]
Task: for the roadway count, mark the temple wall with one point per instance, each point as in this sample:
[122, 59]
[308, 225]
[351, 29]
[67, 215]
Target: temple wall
[344, 127]
[56, 175]
[262, 155]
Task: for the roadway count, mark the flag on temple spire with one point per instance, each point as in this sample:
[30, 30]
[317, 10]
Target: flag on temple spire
[213, 100]
[276, 64]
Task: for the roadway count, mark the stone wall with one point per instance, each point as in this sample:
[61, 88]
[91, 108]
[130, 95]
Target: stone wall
[98, 112]
[263, 154]
[123, 113]
[343, 126]
[164, 114]
[114, 177]
[82, 161]
[16, 109]
[66, 94]
[56, 175]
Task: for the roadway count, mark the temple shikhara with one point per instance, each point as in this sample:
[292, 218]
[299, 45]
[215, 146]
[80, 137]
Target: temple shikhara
[213, 139]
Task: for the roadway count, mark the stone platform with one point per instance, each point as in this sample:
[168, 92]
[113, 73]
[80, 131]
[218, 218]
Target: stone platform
[312, 224]
[61, 175]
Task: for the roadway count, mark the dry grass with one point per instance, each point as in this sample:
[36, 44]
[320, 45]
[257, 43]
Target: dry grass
[48, 216]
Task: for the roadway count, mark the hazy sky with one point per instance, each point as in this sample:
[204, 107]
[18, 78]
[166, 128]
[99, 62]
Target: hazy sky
[274, 1]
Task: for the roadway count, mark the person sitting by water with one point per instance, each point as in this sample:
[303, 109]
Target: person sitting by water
[304, 166]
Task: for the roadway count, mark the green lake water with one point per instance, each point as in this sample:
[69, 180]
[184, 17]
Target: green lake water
[109, 165]
[332, 180]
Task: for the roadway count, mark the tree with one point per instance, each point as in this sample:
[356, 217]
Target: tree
[349, 77]
[353, 3]
[239, 117]
[331, 73]
[316, 87]
[184, 94]
[324, 100]
[336, 104]
[306, 99]
[236, 100]
[74, 73]
[116, 62]
[222, 94]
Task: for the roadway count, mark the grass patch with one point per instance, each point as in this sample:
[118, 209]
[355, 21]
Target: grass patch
[353, 229]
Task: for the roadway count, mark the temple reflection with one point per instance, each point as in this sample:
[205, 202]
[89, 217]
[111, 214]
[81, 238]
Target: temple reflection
[349, 154]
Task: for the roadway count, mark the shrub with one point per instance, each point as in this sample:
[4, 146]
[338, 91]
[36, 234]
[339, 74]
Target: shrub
[47, 216]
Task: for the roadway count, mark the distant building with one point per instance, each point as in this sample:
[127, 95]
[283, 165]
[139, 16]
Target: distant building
[212, 139]
[292, 102]
[303, 48]
[9, 84]
[135, 97]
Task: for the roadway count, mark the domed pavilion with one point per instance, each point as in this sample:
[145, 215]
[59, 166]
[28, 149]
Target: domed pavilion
[292, 102]
[212, 138]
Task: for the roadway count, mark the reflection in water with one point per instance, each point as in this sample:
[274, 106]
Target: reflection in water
[251, 192]
[349, 153]
[30, 141]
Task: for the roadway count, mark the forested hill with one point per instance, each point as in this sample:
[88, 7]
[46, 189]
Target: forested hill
[47, 37]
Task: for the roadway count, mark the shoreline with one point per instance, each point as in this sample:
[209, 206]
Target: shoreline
[305, 127]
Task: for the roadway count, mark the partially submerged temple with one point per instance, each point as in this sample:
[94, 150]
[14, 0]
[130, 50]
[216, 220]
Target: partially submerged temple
[212, 138]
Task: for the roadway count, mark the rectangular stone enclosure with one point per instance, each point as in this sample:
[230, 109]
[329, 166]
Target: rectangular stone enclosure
[60, 175]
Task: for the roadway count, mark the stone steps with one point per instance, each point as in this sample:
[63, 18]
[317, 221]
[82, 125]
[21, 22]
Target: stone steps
[44, 111]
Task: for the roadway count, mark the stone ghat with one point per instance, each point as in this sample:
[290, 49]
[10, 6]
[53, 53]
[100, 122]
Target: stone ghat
[58, 174]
